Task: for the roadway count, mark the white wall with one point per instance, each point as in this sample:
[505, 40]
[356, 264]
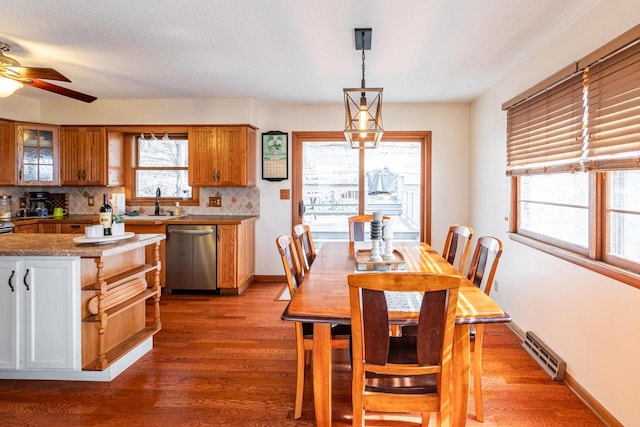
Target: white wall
[449, 124]
[450, 136]
[590, 320]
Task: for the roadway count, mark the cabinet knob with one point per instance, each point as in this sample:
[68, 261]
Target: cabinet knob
[79, 175]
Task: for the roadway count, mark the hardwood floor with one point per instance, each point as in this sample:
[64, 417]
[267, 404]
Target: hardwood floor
[230, 361]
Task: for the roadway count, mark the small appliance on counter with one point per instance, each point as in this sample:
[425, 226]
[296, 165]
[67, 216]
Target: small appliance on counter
[5, 207]
[39, 204]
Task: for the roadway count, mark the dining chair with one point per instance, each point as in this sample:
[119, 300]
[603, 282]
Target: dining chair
[458, 241]
[482, 270]
[357, 226]
[402, 373]
[304, 243]
[340, 334]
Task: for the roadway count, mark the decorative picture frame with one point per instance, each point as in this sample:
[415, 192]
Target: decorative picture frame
[275, 157]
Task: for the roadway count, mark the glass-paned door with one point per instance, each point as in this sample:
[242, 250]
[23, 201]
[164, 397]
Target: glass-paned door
[337, 182]
[329, 188]
[392, 185]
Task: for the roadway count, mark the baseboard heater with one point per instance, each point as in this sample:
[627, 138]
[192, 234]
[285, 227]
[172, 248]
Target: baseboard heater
[546, 358]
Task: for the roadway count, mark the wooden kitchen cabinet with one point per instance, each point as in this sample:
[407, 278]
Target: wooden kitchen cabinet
[39, 322]
[54, 228]
[222, 156]
[37, 154]
[26, 228]
[7, 153]
[90, 156]
[236, 248]
[47, 227]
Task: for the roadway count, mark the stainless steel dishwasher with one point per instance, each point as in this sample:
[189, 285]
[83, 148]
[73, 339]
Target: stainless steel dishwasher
[191, 258]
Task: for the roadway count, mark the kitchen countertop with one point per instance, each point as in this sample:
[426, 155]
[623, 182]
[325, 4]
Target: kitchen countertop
[42, 244]
[186, 219]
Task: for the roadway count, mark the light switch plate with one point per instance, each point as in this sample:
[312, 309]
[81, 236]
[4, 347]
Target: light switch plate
[285, 194]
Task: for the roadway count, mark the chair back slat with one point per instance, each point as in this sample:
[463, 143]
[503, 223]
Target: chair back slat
[290, 262]
[430, 326]
[357, 226]
[304, 244]
[375, 318]
[484, 262]
[457, 242]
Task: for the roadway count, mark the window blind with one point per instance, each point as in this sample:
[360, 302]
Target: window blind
[614, 111]
[544, 132]
[589, 120]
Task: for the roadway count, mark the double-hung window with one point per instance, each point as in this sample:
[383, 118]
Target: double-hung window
[573, 152]
[161, 163]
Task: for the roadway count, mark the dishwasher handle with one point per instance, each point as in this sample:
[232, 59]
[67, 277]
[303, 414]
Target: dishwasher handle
[190, 231]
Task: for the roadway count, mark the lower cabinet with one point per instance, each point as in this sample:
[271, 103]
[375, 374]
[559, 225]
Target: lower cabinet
[236, 245]
[39, 313]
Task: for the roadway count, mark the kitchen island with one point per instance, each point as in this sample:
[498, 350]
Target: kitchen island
[73, 311]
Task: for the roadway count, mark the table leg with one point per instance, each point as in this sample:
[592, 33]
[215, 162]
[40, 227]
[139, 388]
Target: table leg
[322, 373]
[461, 364]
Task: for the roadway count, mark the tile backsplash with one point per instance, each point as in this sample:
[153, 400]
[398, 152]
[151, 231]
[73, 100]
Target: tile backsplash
[235, 200]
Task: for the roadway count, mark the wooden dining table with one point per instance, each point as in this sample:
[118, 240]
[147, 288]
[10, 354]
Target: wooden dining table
[323, 299]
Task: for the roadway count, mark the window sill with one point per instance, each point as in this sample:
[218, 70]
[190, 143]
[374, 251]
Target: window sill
[617, 273]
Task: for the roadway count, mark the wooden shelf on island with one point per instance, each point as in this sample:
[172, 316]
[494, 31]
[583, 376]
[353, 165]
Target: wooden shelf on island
[149, 293]
[121, 278]
[122, 348]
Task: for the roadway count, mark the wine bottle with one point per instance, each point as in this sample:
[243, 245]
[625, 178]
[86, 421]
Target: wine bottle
[106, 216]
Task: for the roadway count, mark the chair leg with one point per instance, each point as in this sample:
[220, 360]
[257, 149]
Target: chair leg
[477, 372]
[300, 365]
[357, 398]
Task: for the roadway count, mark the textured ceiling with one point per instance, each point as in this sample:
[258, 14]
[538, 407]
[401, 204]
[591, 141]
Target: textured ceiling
[291, 51]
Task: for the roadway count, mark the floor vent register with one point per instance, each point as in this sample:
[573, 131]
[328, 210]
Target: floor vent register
[546, 358]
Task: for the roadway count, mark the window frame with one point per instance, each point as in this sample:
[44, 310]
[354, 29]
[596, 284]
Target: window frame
[422, 137]
[596, 259]
[131, 135]
[603, 151]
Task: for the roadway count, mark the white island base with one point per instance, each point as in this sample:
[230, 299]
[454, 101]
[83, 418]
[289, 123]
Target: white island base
[77, 312]
[107, 374]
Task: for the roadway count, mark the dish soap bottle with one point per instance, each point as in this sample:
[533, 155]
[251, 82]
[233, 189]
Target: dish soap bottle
[177, 209]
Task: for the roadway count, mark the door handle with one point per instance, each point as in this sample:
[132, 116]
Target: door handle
[24, 279]
[189, 231]
[13, 272]
[301, 208]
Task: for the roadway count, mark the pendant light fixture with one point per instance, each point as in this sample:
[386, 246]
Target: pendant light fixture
[363, 106]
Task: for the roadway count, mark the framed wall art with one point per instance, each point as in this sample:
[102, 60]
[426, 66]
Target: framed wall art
[275, 159]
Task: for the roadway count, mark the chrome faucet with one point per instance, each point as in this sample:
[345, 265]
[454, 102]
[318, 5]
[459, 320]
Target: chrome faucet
[157, 211]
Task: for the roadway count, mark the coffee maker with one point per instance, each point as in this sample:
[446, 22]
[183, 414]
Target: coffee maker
[39, 204]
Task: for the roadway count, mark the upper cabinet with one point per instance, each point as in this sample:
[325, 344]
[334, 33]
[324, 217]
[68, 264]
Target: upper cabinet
[7, 153]
[222, 156]
[88, 157]
[37, 155]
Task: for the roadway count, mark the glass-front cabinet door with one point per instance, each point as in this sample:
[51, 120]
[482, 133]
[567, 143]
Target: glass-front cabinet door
[38, 154]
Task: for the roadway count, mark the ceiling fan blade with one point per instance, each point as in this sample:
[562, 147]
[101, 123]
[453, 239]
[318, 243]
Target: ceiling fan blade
[61, 90]
[37, 73]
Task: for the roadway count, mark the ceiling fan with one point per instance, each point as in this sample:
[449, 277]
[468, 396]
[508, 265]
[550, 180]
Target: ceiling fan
[32, 76]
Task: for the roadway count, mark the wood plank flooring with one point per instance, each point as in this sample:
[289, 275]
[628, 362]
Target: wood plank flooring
[230, 361]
